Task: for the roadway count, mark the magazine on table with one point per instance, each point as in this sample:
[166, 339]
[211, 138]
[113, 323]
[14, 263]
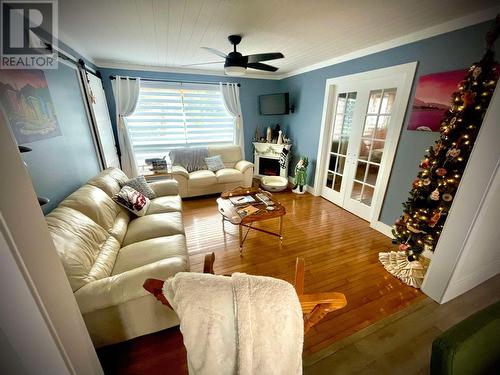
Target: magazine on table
[248, 210]
[242, 200]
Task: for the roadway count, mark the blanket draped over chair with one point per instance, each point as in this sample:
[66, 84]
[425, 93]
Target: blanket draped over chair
[238, 325]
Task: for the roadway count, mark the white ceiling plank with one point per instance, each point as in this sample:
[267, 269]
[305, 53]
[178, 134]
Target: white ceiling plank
[169, 33]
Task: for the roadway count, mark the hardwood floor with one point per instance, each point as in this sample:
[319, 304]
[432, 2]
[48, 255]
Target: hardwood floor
[341, 254]
[383, 348]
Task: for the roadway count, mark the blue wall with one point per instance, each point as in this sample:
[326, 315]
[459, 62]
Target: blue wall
[249, 92]
[450, 51]
[60, 165]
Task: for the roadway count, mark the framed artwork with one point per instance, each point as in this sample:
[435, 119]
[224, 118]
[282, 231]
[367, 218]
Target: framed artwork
[433, 98]
[26, 100]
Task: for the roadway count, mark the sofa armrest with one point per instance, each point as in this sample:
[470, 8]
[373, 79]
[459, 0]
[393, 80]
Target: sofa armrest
[243, 165]
[126, 286]
[180, 171]
[165, 187]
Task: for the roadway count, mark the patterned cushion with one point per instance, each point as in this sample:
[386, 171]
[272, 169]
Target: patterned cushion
[139, 183]
[214, 163]
[132, 200]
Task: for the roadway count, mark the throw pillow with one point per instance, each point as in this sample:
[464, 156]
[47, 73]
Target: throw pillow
[132, 200]
[214, 163]
[140, 184]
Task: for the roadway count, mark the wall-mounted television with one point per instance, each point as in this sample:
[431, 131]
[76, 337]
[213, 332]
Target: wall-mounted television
[274, 104]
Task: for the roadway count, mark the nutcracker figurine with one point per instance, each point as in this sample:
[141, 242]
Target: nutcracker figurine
[301, 176]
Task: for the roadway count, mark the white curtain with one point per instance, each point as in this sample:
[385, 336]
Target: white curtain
[231, 99]
[126, 92]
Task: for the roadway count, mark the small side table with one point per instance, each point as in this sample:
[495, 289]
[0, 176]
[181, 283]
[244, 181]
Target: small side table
[151, 176]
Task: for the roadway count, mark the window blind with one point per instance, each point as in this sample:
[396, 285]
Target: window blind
[171, 115]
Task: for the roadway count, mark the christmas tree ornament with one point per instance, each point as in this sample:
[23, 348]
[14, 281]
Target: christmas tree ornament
[447, 197]
[434, 195]
[453, 153]
[441, 169]
[434, 219]
[441, 172]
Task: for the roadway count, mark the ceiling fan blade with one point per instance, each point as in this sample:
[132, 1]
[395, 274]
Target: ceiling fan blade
[260, 66]
[215, 51]
[264, 57]
[205, 63]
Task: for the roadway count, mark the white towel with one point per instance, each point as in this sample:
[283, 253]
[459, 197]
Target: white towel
[238, 325]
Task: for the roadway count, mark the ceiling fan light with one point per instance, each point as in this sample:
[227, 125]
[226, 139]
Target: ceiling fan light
[235, 70]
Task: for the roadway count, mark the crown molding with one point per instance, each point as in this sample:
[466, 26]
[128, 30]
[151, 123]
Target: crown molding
[167, 69]
[452, 25]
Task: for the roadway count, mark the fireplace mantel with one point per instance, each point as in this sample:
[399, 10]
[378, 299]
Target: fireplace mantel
[270, 152]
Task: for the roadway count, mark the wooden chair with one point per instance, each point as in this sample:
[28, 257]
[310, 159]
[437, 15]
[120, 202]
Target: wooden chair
[315, 306]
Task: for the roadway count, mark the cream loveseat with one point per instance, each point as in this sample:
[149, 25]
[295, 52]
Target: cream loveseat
[238, 172]
[108, 253]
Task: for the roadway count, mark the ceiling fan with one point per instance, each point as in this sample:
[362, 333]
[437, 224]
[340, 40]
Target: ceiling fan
[235, 64]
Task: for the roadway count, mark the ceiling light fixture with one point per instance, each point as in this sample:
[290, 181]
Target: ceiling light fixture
[235, 70]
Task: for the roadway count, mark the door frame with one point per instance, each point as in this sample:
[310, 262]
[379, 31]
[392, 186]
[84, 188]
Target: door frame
[407, 73]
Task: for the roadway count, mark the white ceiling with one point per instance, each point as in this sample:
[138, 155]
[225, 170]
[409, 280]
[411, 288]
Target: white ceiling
[169, 33]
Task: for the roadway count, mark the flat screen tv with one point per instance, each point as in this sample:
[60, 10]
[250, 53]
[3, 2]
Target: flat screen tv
[274, 104]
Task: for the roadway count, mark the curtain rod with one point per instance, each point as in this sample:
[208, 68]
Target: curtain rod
[174, 81]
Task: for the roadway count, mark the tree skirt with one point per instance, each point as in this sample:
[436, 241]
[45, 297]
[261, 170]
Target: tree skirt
[397, 264]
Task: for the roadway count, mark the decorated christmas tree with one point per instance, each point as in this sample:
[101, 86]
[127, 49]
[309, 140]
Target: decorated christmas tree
[433, 191]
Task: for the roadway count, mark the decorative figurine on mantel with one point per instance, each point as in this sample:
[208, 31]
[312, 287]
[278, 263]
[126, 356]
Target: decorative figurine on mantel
[301, 176]
[269, 135]
[257, 134]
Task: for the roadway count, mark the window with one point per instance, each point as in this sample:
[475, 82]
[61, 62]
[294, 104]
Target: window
[171, 115]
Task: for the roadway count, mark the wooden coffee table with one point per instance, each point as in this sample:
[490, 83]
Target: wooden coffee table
[229, 213]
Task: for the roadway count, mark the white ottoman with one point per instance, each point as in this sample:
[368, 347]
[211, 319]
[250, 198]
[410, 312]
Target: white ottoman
[273, 183]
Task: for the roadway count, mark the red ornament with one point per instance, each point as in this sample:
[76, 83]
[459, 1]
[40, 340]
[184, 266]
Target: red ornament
[441, 172]
[424, 164]
[415, 183]
[434, 219]
[403, 247]
[468, 98]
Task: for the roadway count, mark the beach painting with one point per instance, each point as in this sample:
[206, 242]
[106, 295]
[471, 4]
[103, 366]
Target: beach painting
[26, 100]
[433, 99]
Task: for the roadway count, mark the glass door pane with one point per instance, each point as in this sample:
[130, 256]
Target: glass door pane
[342, 123]
[371, 146]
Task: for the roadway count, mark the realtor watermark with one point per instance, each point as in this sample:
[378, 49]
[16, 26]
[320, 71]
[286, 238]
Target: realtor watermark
[28, 34]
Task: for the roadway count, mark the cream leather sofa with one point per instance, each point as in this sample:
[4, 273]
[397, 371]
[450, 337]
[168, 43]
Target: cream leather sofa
[238, 172]
[108, 253]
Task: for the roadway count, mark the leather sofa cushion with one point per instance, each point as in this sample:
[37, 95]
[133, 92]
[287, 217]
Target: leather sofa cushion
[228, 175]
[169, 203]
[153, 226]
[95, 204]
[121, 224]
[78, 241]
[230, 154]
[109, 181]
[202, 178]
[149, 251]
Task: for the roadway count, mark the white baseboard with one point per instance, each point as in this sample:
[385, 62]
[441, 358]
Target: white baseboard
[382, 228]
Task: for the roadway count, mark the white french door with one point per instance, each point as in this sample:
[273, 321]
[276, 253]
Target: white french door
[361, 128]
